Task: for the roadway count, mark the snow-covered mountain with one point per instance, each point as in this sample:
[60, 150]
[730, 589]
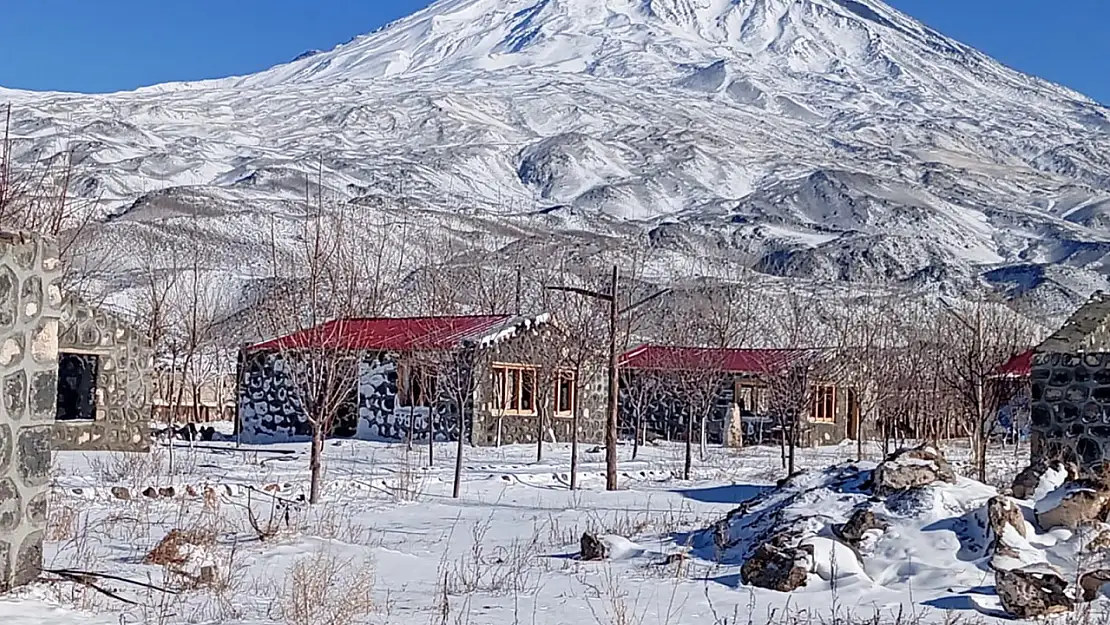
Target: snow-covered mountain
[833, 139]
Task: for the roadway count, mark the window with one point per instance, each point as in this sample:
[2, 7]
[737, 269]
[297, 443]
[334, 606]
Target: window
[514, 389]
[824, 404]
[77, 376]
[748, 399]
[564, 393]
[416, 385]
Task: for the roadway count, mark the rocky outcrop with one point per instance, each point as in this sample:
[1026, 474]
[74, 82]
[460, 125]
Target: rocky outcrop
[591, 549]
[784, 569]
[911, 468]
[1026, 483]
[1032, 592]
[1075, 504]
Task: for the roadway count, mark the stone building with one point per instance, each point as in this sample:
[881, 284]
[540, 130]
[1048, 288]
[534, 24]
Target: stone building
[1070, 398]
[29, 310]
[508, 379]
[741, 392]
[104, 382]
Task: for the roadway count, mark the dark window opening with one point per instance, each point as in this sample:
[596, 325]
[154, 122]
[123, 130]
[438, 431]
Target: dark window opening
[564, 393]
[77, 377]
[417, 386]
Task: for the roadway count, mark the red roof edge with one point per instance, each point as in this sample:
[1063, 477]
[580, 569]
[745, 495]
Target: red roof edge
[386, 333]
[670, 358]
[1020, 366]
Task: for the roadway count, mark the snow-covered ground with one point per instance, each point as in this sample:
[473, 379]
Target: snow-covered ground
[390, 545]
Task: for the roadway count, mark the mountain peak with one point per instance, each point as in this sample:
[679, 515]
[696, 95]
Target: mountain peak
[850, 46]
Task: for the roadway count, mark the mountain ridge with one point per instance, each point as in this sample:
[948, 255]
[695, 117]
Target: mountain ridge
[832, 140]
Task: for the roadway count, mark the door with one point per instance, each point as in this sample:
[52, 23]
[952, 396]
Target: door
[854, 424]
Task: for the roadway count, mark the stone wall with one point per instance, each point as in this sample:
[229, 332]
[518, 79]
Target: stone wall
[269, 407]
[1070, 406]
[123, 381]
[29, 310]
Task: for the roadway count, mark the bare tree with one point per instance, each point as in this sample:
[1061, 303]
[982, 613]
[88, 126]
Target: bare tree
[319, 364]
[979, 338]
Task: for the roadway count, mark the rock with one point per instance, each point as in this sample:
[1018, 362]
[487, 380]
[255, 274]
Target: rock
[1099, 543]
[1091, 582]
[150, 492]
[861, 522]
[1075, 504]
[784, 569]
[1002, 512]
[167, 492]
[121, 492]
[1032, 592]
[1026, 483]
[591, 549]
[911, 468]
[674, 558]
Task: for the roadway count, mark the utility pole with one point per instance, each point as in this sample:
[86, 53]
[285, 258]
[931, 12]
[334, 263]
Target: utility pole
[611, 416]
[613, 405]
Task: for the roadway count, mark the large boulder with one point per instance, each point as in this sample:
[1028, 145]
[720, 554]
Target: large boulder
[784, 569]
[591, 548]
[1044, 476]
[1075, 504]
[1032, 592]
[911, 468]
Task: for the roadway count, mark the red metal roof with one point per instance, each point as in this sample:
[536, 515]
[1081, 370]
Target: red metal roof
[387, 333]
[701, 358]
[1020, 366]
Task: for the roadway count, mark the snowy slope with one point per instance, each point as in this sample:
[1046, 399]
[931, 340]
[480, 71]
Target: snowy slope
[836, 139]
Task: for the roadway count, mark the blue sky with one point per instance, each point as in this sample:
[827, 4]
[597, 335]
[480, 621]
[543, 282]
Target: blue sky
[110, 45]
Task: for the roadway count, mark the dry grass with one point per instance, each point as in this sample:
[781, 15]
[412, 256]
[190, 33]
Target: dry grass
[326, 589]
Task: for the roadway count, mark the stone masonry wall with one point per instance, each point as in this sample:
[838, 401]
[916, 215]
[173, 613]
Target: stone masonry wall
[29, 310]
[123, 384]
[269, 408]
[1070, 407]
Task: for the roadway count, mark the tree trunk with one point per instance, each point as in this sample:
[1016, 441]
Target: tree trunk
[782, 444]
[793, 443]
[574, 442]
[315, 464]
[539, 435]
[431, 435]
[703, 444]
[459, 455]
[636, 434]
[411, 427]
[689, 447]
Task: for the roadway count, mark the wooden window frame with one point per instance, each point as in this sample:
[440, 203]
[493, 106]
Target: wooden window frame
[820, 392]
[511, 404]
[565, 376]
[755, 394]
[426, 372]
